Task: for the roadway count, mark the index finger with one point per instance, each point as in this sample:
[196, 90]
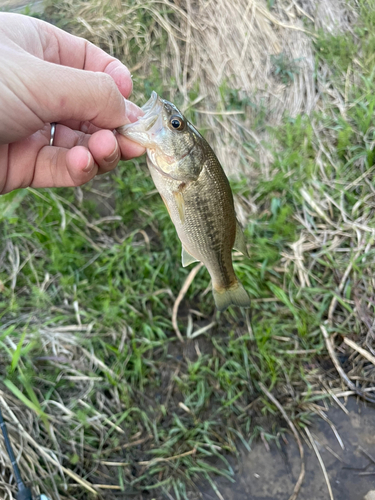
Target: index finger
[54, 45]
[76, 52]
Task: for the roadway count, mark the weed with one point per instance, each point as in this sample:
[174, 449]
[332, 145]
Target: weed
[284, 68]
[337, 50]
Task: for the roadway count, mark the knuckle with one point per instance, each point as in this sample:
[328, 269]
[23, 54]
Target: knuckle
[108, 97]
[107, 84]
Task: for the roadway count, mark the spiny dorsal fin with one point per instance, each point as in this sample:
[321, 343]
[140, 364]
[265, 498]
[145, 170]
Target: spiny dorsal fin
[187, 258]
[240, 242]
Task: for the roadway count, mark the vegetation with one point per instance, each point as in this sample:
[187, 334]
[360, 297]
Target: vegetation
[92, 374]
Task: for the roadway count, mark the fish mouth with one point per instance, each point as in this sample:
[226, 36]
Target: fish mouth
[150, 104]
[144, 130]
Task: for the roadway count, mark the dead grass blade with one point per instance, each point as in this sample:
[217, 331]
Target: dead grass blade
[343, 375]
[126, 445]
[299, 482]
[202, 330]
[181, 295]
[361, 351]
[315, 448]
[344, 278]
[41, 450]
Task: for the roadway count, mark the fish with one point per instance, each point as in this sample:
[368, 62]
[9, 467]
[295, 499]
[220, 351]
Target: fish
[196, 192]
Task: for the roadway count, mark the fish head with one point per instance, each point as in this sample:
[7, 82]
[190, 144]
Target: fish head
[173, 145]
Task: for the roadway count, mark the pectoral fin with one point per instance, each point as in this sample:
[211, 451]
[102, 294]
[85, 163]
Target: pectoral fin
[240, 242]
[180, 202]
[187, 258]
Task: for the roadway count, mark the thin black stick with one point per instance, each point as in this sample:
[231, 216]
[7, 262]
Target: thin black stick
[23, 492]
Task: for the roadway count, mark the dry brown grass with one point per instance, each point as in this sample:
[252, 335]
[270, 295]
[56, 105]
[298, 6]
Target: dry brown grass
[211, 42]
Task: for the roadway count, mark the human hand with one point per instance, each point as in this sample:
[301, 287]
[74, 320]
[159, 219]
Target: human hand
[48, 76]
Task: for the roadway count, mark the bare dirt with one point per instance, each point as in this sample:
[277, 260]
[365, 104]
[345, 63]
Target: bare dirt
[271, 475]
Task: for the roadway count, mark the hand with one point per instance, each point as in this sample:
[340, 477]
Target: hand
[50, 76]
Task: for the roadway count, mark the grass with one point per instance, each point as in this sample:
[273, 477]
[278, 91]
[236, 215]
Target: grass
[284, 69]
[91, 368]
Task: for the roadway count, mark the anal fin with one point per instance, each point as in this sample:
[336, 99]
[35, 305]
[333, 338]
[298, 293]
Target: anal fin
[187, 258]
[240, 242]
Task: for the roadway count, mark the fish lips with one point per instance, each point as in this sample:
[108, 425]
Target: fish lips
[144, 130]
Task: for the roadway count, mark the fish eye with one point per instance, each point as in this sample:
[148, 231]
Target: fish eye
[177, 123]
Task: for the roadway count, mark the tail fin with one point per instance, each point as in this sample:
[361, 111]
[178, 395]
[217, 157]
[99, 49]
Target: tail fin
[235, 295]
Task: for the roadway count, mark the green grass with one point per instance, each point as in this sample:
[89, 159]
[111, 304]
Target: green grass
[87, 286]
[124, 285]
[284, 69]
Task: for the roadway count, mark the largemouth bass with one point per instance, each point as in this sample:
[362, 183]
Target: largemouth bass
[196, 192]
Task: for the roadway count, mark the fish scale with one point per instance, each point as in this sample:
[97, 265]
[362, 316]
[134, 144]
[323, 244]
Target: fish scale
[196, 192]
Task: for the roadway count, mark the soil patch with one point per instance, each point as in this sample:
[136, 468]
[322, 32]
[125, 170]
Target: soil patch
[270, 475]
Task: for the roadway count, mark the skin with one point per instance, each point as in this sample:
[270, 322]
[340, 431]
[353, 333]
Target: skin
[49, 76]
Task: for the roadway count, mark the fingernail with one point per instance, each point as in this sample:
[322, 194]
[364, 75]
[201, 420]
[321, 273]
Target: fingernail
[90, 164]
[113, 156]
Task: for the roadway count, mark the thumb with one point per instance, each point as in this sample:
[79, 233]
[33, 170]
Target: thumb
[74, 94]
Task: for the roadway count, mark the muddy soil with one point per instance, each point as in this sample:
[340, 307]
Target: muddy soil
[271, 475]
